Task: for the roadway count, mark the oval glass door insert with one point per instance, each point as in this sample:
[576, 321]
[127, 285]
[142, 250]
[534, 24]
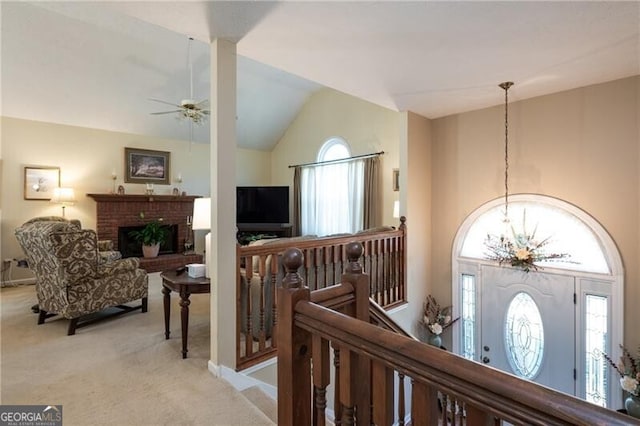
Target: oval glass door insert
[524, 336]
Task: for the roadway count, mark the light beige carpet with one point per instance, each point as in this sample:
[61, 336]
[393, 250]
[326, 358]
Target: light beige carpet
[120, 371]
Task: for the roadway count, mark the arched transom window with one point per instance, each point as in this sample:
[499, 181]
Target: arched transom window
[564, 232]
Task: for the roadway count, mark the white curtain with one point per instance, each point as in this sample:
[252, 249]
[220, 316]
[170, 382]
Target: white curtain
[332, 198]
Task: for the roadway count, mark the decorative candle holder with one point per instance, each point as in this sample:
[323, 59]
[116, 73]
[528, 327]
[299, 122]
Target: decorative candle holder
[114, 176]
[188, 238]
[179, 182]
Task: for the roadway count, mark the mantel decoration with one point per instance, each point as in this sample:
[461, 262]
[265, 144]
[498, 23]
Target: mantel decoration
[436, 319]
[521, 249]
[629, 370]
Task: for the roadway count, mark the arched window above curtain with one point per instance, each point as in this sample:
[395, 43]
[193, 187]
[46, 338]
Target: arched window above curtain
[333, 196]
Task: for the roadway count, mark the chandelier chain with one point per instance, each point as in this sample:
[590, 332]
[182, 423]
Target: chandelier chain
[190, 69]
[506, 86]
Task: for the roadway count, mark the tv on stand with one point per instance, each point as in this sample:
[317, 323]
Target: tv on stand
[262, 210]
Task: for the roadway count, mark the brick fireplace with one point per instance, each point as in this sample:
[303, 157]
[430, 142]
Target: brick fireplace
[115, 211]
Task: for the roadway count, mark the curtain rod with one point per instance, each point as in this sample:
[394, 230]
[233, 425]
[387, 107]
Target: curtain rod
[341, 160]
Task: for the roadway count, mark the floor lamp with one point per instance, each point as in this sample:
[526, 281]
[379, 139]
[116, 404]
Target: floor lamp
[202, 220]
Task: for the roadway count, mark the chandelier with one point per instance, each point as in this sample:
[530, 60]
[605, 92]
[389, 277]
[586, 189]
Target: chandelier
[522, 249]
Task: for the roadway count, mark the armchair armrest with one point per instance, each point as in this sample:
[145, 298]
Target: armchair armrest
[119, 266]
[105, 245]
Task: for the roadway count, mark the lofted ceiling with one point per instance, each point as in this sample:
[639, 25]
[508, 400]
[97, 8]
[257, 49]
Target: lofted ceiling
[96, 64]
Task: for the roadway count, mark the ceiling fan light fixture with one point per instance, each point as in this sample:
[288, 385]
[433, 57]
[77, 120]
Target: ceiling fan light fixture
[188, 109]
[197, 117]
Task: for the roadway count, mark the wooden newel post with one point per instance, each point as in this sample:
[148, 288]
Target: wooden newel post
[361, 379]
[294, 347]
[354, 252]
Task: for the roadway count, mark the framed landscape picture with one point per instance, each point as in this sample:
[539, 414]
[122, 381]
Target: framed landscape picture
[39, 182]
[146, 166]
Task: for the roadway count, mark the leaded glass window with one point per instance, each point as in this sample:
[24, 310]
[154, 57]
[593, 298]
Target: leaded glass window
[468, 316]
[596, 344]
[524, 336]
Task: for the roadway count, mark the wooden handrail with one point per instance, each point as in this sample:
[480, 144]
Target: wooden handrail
[366, 354]
[380, 317]
[502, 394]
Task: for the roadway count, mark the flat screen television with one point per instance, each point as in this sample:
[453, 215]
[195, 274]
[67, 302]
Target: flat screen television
[262, 204]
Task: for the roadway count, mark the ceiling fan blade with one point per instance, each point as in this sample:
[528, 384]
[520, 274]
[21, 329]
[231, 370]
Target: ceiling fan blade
[165, 102]
[202, 102]
[165, 112]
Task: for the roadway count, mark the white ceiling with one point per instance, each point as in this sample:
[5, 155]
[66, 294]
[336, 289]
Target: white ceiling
[95, 64]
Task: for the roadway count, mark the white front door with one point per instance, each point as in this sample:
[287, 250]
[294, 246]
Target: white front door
[528, 325]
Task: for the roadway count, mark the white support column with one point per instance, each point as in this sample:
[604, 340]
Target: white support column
[223, 205]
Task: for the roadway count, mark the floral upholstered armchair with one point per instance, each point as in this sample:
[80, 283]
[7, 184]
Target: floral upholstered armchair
[105, 247]
[71, 279]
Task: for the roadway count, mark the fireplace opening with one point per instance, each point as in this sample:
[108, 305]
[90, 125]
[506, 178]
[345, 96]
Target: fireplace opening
[131, 248]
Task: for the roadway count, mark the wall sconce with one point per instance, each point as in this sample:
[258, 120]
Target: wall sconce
[396, 209]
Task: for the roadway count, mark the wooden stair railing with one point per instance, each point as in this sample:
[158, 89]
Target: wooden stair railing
[380, 317]
[259, 273]
[369, 356]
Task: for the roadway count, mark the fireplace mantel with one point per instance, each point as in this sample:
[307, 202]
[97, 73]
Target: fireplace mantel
[122, 198]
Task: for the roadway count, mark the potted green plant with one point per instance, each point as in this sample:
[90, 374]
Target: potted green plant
[151, 236]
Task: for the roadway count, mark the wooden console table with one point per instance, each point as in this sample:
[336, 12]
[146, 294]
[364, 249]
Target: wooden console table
[184, 285]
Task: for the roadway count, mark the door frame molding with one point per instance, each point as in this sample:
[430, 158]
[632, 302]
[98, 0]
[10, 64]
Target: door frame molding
[610, 251]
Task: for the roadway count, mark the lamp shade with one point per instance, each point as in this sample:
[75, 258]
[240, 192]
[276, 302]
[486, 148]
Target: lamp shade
[201, 213]
[396, 209]
[65, 196]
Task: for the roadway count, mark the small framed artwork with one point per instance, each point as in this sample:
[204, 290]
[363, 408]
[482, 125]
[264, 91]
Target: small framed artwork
[39, 182]
[396, 179]
[146, 166]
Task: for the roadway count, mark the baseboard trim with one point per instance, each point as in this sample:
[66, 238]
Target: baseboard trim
[214, 369]
[241, 381]
[16, 283]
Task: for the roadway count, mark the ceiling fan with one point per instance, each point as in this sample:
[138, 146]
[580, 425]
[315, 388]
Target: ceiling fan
[190, 109]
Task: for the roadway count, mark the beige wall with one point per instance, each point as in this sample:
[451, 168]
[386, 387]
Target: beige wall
[253, 167]
[366, 127]
[415, 204]
[581, 146]
[86, 158]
